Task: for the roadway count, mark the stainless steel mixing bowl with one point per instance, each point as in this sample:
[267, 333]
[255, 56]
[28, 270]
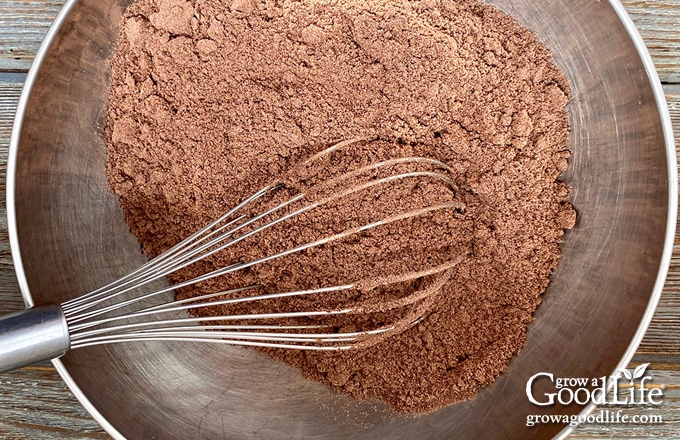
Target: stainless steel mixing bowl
[69, 236]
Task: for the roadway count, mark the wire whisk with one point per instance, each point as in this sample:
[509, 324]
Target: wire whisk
[115, 313]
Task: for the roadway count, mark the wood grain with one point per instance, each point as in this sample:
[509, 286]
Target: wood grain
[659, 24]
[47, 411]
[23, 24]
[10, 88]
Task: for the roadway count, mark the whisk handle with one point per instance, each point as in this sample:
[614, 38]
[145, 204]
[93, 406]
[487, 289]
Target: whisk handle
[32, 335]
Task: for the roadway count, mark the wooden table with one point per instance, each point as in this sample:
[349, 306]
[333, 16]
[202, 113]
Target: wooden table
[35, 403]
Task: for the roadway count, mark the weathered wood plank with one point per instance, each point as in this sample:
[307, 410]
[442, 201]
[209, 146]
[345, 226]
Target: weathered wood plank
[10, 299]
[659, 23]
[46, 408]
[23, 24]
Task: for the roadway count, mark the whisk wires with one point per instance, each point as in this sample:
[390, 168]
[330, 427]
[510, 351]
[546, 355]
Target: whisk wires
[103, 317]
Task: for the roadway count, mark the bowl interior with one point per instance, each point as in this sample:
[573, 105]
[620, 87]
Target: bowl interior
[73, 238]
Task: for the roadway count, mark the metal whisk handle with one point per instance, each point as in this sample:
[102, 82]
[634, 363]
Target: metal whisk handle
[32, 335]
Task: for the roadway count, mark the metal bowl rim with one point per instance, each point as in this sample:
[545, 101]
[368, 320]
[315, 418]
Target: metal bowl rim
[672, 171]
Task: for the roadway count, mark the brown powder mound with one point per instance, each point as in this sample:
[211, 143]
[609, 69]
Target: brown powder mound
[212, 100]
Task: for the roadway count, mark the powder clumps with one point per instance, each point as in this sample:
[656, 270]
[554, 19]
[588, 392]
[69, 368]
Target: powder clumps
[213, 99]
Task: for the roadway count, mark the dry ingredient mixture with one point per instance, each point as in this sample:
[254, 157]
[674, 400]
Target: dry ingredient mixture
[213, 99]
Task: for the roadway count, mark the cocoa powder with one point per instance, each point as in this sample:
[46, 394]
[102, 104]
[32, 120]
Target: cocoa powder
[211, 100]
